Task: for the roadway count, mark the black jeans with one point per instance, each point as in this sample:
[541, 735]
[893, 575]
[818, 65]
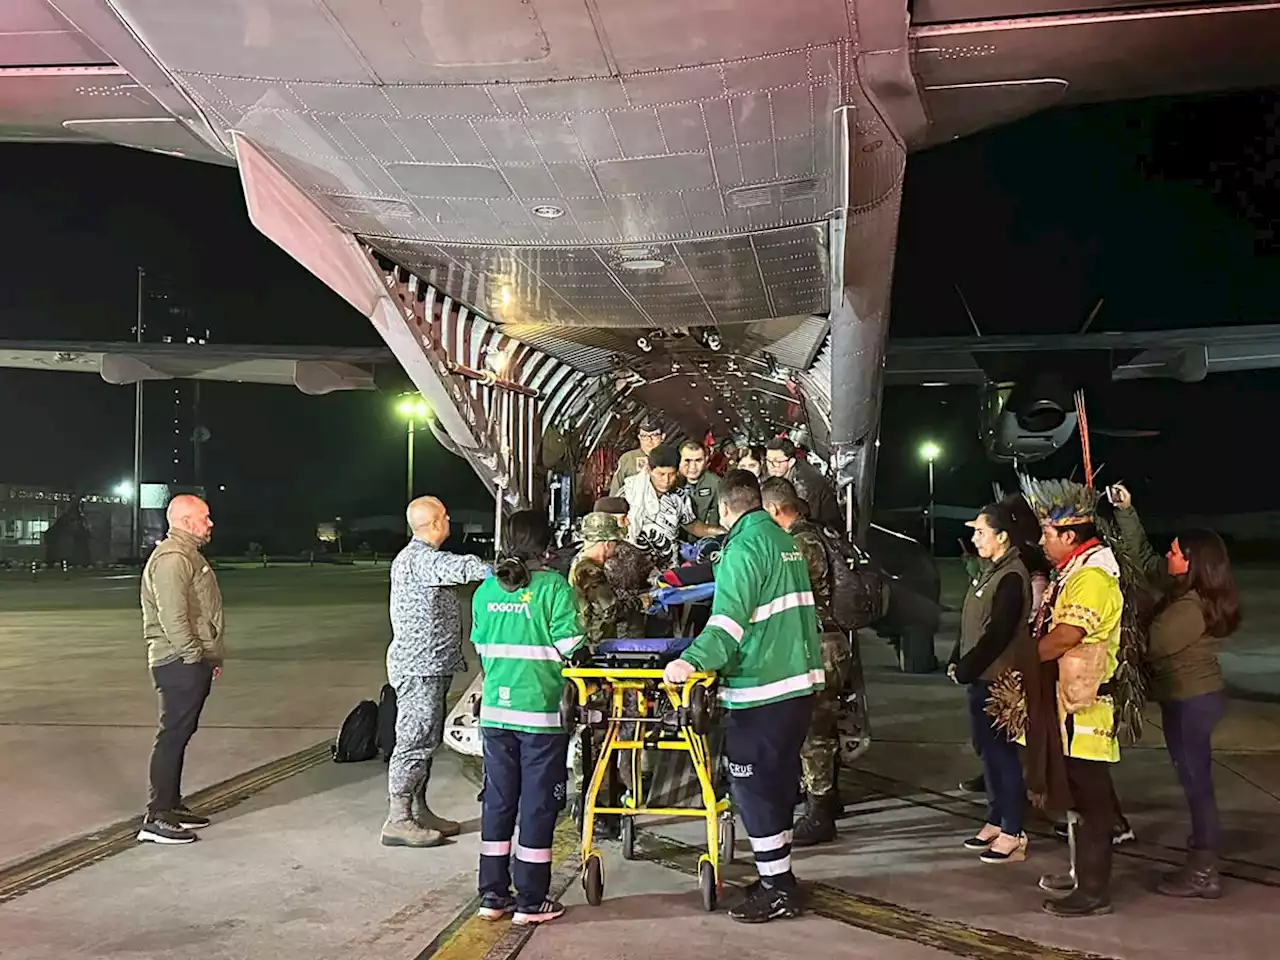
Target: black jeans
[183, 689]
[1188, 732]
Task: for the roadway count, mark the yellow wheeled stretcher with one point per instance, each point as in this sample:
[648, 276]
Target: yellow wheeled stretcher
[621, 693]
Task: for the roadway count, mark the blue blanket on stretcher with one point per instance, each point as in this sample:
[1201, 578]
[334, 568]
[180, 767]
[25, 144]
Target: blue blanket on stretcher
[667, 597]
[633, 650]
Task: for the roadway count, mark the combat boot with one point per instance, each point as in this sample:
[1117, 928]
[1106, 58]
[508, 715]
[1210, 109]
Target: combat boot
[424, 818]
[817, 824]
[401, 830]
[1199, 878]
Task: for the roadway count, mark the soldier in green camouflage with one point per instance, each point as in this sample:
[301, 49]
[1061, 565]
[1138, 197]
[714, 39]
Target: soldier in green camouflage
[822, 745]
[610, 608]
[610, 578]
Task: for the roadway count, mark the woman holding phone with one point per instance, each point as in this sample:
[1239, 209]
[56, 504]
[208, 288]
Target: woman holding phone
[1197, 608]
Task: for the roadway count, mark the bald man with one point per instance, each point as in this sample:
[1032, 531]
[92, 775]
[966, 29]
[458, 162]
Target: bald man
[183, 626]
[425, 653]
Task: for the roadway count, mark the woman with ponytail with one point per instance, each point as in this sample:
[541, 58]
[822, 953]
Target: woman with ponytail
[525, 627]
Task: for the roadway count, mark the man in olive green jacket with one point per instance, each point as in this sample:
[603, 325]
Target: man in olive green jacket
[183, 626]
[651, 434]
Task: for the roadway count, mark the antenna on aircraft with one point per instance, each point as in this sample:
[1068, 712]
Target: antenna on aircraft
[972, 320]
[1097, 308]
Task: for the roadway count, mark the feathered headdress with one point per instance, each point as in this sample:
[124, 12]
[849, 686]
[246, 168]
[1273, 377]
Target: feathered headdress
[1060, 502]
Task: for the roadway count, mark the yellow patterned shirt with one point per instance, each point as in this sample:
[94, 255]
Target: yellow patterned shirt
[1090, 599]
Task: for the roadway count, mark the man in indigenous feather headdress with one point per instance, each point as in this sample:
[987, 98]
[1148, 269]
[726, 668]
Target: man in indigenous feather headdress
[1078, 627]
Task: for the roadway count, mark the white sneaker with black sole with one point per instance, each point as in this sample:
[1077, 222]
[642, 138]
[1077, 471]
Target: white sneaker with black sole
[162, 828]
[547, 910]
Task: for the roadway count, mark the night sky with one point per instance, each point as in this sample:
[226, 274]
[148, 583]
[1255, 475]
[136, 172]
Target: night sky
[1167, 209]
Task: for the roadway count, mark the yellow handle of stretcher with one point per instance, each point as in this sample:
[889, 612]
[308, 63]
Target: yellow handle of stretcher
[630, 673]
[580, 676]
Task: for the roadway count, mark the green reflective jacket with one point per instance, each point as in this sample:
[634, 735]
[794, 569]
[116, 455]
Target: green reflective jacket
[762, 637]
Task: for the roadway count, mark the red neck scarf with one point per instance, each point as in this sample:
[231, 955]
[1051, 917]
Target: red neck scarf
[1087, 545]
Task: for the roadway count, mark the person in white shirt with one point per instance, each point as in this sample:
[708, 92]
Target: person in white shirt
[659, 511]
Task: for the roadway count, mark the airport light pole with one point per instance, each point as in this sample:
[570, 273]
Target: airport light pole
[413, 408]
[929, 452]
[135, 514]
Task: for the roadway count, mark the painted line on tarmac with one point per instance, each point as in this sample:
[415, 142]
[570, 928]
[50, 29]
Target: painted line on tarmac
[467, 937]
[1250, 871]
[66, 858]
[878, 916]
[27, 875]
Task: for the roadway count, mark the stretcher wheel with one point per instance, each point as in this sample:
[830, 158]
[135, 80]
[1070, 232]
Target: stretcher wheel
[707, 885]
[699, 710]
[593, 880]
[727, 838]
[628, 838]
[569, 707]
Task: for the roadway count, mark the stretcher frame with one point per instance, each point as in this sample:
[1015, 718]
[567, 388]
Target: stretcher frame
[691, 700]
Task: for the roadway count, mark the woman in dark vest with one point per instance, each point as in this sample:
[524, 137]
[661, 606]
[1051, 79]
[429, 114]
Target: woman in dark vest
[1197, 608]
[993, 618]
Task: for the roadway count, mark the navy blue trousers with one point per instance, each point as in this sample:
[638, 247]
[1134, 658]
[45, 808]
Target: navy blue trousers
[1188, 733]
[525, 774]
[762, 747]
[1001, 765]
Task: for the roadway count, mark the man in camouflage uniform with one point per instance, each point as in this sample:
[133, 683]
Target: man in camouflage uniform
[424, 654]
[608, 609]
[616, 507]
[610, 580]
[822, 745]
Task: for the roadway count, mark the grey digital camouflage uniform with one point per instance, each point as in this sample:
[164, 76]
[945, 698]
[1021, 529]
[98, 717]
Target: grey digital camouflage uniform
[421, 709]
[425, 653]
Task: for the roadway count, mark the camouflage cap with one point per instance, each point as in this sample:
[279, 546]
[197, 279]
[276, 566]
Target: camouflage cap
[601, 528]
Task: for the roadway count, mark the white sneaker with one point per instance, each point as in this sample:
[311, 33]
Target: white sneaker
[548, 910]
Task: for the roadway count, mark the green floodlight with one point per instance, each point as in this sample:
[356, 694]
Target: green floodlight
[930, 451]
[413, 408]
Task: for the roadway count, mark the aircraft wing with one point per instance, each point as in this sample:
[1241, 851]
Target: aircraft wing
[1186, 355]
[58, 83]
[313, 370]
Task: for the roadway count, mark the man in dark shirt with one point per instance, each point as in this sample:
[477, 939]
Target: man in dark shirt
[813, 488]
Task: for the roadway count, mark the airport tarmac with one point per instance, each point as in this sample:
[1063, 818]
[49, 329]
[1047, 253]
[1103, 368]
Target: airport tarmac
[292, 867]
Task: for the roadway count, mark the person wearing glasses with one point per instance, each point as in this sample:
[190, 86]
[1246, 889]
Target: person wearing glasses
[780, 460]
[651, 433]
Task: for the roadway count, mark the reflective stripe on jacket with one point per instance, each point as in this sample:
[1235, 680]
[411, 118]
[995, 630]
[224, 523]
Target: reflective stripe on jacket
[762, 636]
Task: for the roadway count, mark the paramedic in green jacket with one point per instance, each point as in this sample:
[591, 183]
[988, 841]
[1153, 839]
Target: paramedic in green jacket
[525, 627]
[762, 640]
